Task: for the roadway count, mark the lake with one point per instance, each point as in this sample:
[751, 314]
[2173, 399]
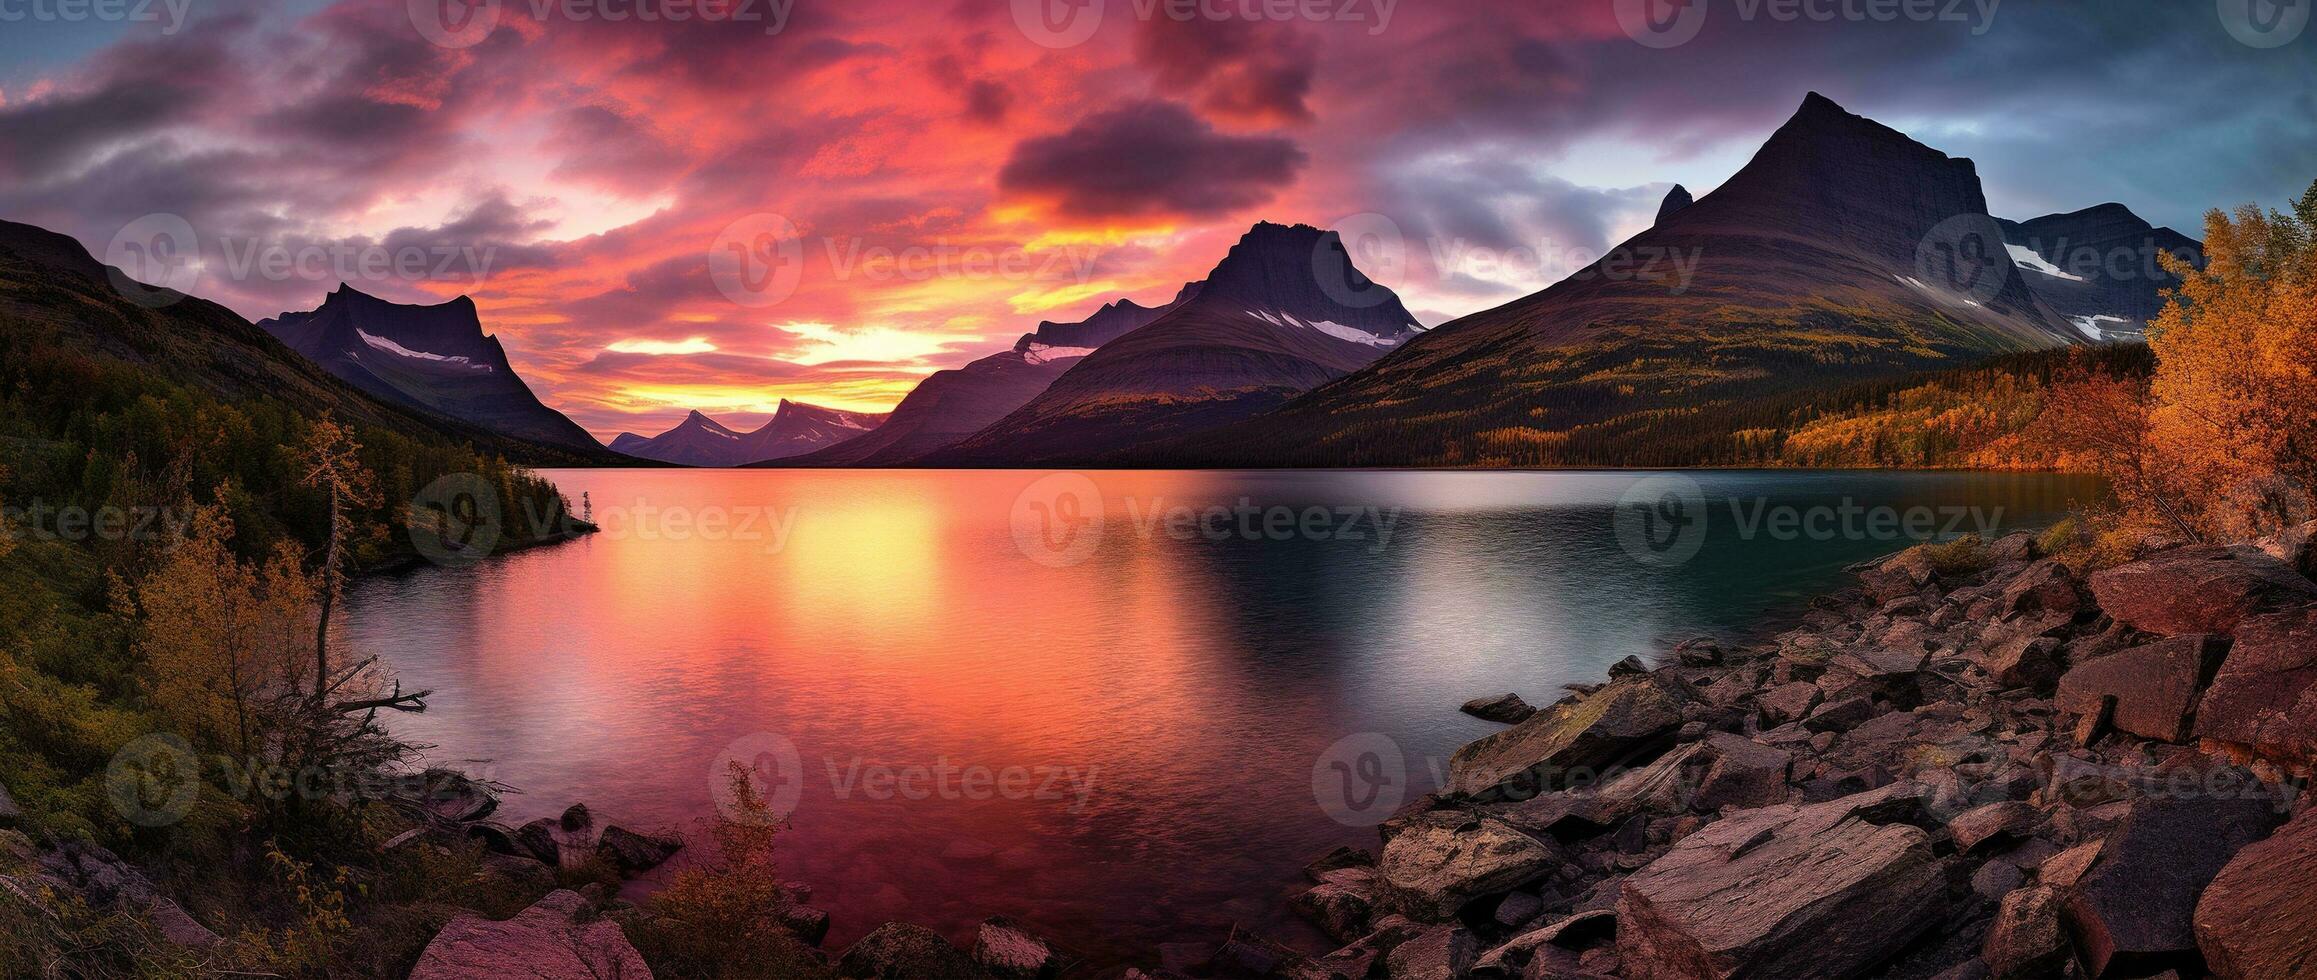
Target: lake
[1124, 707]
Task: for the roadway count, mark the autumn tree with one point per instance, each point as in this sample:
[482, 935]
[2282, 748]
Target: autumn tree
[332, 464]
[225, 641]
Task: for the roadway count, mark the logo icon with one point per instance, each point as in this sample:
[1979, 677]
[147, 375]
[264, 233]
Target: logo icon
[772, 771]
[456, 521]
[1964, 255]
[1371, 245]
[1661, 23]
[757, 261]
[154, 260]
[1361, 780]
[454, 23]
[152, 780]
[1661, 520]
[1058, 23]
[1057, 520]
[2265, 23]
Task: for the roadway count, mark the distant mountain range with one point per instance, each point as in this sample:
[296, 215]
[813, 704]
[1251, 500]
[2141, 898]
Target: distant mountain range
[794, 430]
[1842, 251]
[432, 358]
[2097, 267]
[55, 296]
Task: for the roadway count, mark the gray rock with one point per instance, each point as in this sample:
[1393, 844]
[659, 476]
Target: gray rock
[1840, 716]
[900, 951]
[1993, 824]
[1623, 720]
[2134, 903]
[1824, 890]
[1341, 904]
[1005, 949]
[1441, 861]
[551, 940]
[1788, 702]
[1744, 773]
[2156, 687]
[2199, 590]
[2255, 919]
[1506, 708]
[2263, 701]
[631, 851]
[2026, 942]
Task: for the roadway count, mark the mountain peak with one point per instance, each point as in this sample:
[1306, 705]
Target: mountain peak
[1675, 200]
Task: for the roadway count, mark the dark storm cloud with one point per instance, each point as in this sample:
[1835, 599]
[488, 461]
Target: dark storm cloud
[1150, 158]
[1257, 72]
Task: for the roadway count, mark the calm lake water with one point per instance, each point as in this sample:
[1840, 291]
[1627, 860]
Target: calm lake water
[1123, 707]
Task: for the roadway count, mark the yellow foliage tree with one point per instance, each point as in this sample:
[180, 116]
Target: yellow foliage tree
[228, 644]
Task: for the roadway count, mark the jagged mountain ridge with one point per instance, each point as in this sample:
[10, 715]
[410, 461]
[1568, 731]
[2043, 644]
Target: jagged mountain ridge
[795, 429]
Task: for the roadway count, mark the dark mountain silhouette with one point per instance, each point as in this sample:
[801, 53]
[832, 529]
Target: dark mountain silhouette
[794, 430]
[432, 358]
[2098, 266]
[1284, 311]
[54, 294]
[1843, 251]
[1675, 200]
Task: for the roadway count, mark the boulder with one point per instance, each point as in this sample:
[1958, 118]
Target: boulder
[449, 795]
[1631, 666]
[2264, 699]
[2254, 920]
[2199, 590]
[1788, 702]
[900, 951]
[2018, 546]
[1993, 824]
[1006, 950]
[1363, 957]
[2156, 687]
[1556, 944]
[1744, 773]
[2024, 661]
[801, 920]
[1342, 904]
[1440, 861]
[554, 939]
[2046, 586]
[2026, 943]
[1903, 574]
[1840, 716]
[1624, 720]
[1824, 890]
[1506, 708]
[2295, 546]
[1698, 652]
[1341, 857]
[2132, 908]
[631, 852]
[1438, 953]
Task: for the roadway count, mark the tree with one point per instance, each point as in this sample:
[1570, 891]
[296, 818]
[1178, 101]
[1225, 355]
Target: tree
[332, 464]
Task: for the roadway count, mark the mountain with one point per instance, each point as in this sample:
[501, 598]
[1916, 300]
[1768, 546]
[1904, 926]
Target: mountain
[57, 298]
[794, 430]
[2098, 267]
[432, 358]
[949, 406]
[1284, 311]
[1842, 251]
[1675, 200]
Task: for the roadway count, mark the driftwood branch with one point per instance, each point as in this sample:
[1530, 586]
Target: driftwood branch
[398, 701]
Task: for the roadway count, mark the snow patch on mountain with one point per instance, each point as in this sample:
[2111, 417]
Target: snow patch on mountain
[383, 344]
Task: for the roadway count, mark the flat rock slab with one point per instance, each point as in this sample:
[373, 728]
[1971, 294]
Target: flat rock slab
[900, 951]
[547, 941]
[2156, 687]
[2264, 699]
[2199, 590]
[2258, 918]
[1505, 709]
[1587, 738]
[1826, 890]
[1442, 860]
[2132, 909]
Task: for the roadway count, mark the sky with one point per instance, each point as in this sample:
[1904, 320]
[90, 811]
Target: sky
[668, 205]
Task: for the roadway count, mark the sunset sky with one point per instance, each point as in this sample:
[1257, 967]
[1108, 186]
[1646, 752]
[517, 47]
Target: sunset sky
[954, 176]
